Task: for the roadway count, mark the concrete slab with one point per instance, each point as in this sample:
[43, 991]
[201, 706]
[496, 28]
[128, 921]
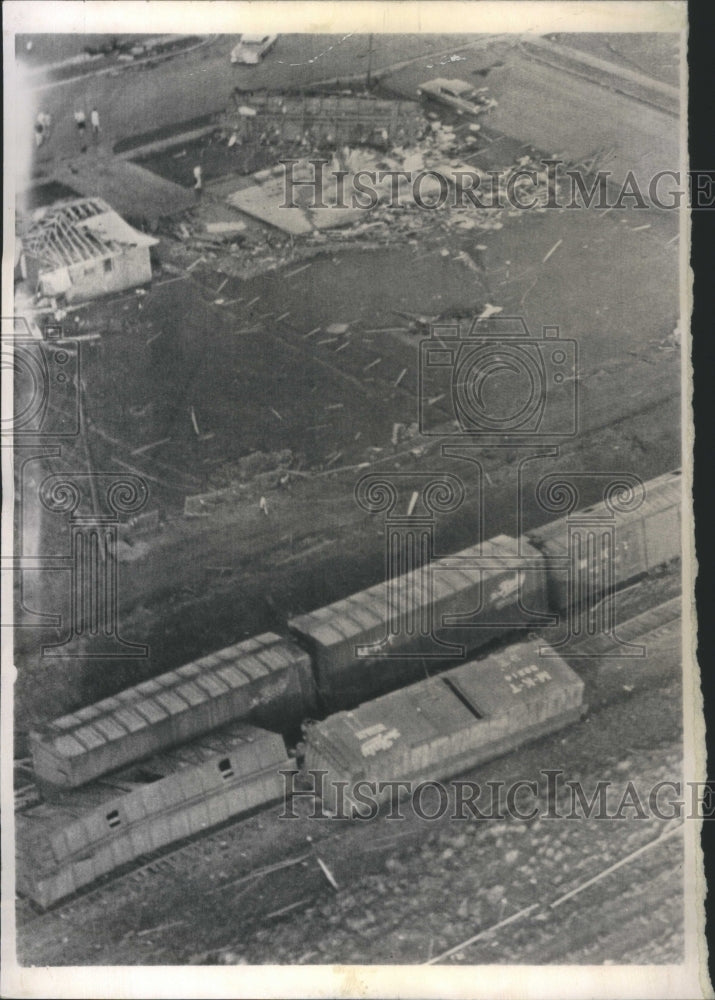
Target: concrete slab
[130, 190]
[264, 202]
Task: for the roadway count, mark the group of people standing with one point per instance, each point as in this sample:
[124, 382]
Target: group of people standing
[43, 124]
[81, 123]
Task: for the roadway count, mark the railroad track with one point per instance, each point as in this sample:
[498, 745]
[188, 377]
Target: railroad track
[655, 622]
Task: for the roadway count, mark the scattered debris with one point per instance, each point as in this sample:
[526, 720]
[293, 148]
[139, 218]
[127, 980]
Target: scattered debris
[148, 447]
[553, 248]
[289, 909]
[489, 310]
[298, 270]
[234, 226]
[328, 874]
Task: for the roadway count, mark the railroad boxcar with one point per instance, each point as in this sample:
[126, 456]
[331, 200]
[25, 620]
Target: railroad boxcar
[442, 726]
[94, 831]
[642, 538]
[407, 621]
[266, 680]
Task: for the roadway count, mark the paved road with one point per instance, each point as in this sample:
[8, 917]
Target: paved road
[563, 114]
[557, 112]
[137, 100]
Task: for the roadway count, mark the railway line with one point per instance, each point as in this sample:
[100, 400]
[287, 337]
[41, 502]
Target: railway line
[122, 780]
[656, 626]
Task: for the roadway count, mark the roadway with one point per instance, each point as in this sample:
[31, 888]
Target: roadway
[141, 98]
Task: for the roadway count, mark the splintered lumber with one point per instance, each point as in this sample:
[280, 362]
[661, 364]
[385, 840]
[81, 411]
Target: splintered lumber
[553, 248]
[328, 874]
[148, 447]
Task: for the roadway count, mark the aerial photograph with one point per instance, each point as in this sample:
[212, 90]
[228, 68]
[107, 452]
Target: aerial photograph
[350, 542]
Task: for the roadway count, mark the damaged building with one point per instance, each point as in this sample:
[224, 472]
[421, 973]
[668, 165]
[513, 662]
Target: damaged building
[82, 249]
[323, 119]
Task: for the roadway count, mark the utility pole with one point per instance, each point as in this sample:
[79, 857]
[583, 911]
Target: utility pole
[368, 81]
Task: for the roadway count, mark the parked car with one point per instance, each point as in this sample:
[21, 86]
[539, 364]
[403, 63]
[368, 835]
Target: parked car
[252, 48]
[457, 94]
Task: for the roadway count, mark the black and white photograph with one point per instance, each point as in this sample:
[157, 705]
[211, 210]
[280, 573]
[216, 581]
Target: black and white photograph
[348, 547]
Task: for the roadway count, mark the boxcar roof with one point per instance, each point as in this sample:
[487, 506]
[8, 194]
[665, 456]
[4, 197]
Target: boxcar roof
[171, 693]
[350, 617]
[661, 493]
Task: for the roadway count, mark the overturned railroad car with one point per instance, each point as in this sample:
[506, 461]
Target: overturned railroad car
[594, 549]
[442, 726]
[92, 831]
[411, 626]
[266, 680]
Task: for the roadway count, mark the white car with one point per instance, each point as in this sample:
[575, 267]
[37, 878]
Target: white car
[457, 94]
[252, 48]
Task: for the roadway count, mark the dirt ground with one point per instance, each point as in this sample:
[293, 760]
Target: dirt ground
[256, 383]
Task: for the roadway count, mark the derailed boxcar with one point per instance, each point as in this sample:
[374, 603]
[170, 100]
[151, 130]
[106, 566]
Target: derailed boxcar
[603, 546]
[265, 680]
[401, 630]
[442, 726]
[94, 831]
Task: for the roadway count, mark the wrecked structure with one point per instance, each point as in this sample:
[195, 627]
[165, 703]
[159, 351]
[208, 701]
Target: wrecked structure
[82, 249]
[323, 119]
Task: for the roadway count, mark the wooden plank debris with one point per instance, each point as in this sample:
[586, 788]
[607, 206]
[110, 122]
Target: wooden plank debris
[148, 447]
[328, 874]
[552, 250]
[289, 908]
[292, 274]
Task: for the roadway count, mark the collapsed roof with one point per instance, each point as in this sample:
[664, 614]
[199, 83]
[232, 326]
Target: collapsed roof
[84, 229]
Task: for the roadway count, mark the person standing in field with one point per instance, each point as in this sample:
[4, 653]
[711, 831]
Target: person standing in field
[94, 118]
[81, 122]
